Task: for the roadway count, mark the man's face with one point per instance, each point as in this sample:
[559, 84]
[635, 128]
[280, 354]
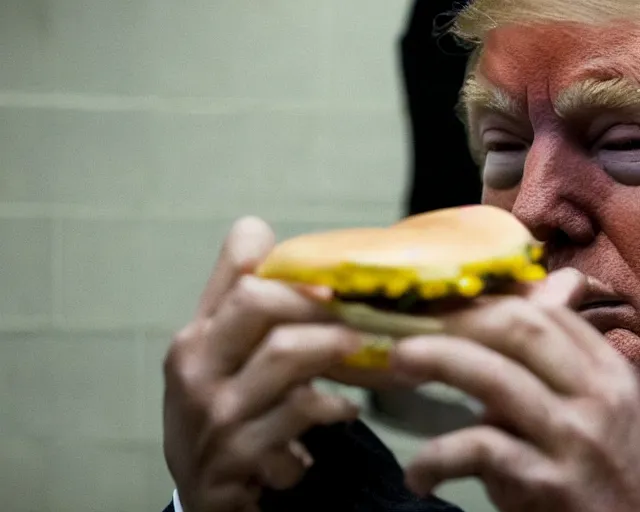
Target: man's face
[556, 116]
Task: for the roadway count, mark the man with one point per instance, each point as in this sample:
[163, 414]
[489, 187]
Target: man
[553, 111]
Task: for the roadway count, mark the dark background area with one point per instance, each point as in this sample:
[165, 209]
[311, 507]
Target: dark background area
[443, 173]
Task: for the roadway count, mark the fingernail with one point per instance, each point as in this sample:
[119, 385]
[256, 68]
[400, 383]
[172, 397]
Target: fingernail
[401, 356]
[301, 452]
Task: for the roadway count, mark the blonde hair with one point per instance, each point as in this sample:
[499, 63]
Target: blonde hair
[473, 22]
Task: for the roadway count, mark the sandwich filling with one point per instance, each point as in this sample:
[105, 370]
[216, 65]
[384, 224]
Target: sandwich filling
[392, 311]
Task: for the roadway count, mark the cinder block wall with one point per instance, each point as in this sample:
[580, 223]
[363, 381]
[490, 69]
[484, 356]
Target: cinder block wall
[131, 134]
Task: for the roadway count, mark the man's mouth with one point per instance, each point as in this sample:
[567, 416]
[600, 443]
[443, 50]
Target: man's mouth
[614, 315]
[601, 303]
[609, 312]
[599, 295]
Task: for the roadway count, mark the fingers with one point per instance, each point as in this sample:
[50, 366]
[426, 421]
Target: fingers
[281, 470]
[290, 355]
[284, 467]
[509, 391]
[524, 332]
[249, 312]
[285, 464]
[300, 451]
[265, 442]
[247, 244]
[303, 408]
[479, 451]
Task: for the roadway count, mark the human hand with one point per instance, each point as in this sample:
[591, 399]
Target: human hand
[562, 425]
[238, 382]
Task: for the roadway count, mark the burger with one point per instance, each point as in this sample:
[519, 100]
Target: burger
[393, 282]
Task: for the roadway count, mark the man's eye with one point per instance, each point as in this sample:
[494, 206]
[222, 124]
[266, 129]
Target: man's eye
[618, 151]
[504, 164]
[503, 147]
[622, 145]
[621, 160]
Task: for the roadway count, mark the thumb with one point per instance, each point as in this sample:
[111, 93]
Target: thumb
[564, 288]
[247, 244]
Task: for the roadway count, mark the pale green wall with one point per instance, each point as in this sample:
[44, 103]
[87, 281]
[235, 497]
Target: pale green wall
[131, 134]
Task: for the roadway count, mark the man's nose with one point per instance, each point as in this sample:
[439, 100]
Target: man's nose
[552, 197]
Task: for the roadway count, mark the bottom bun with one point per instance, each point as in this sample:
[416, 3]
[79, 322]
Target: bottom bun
[399, 325]
[380, 331]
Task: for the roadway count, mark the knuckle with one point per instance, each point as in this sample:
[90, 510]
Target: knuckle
[304, 396]
[510, 461]
[569, 424]
[623, 394]
[247, 294]
[544, 480]
[244, 455]
[281, 469]
[180, 361]
[225, 409]
[493, 452]
[185, 335]
[436, 451]
[282, 343]
[343, 342]
[486, 452]
[305, 403]
[585, 427]
[520, 322]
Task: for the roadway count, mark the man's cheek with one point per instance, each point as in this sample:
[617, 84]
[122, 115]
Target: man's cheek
[620, 220]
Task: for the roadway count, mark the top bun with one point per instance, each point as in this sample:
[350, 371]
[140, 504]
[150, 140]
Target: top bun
[436, 245]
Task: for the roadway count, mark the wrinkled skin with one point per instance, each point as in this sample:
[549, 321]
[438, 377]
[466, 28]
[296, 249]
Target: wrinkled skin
[563, 423]
[562, 430]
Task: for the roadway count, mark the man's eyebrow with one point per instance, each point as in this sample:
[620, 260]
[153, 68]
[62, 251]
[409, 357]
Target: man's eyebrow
[476, 94]
[609, 94]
